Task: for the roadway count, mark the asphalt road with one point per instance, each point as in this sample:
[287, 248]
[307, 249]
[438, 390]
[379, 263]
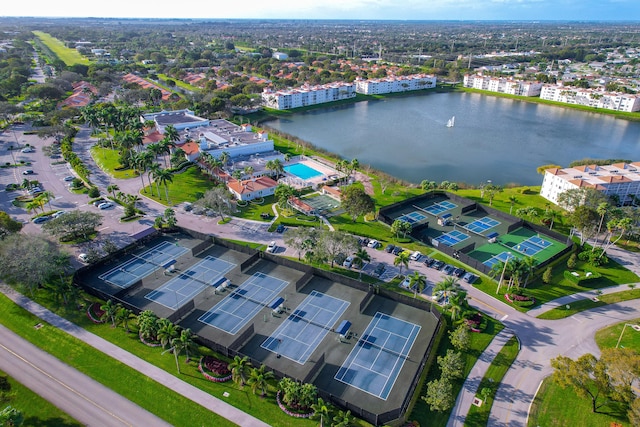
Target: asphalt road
[84, 399]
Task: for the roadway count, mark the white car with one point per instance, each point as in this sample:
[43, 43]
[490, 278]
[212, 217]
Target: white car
[348, 261]
[83, 257]
[57, 214]
[415, 256]
[373, 244]
[105, 205]
[272, 247]
[27, 150]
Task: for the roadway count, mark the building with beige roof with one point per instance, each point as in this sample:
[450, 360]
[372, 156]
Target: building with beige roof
[250, 189]
[621, 180]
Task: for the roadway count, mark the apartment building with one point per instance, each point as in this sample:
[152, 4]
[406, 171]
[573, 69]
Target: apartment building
[393, 84]
[591, 98]
[502, 85]
[307, 95]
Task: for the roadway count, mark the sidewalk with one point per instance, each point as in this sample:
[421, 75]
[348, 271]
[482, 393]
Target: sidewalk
[471, 384]
[569, 299]
[168, 380]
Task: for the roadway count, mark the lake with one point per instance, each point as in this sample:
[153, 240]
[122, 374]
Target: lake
[495, 139]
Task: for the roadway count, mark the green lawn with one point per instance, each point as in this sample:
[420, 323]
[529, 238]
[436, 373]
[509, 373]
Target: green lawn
[67, 55]
[608, 337]
[479, 416]
[586, 304]
[179, 83]
[558, 407]
[254, 209]
[479, 342]
[186, 187]
[37, 411]
[108, 160]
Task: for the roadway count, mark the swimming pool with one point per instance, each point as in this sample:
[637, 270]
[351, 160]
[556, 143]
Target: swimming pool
[302, 171]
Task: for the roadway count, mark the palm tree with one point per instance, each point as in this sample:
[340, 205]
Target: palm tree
[224, 158]
[342, 419]
[528, 265]
[182, 343]
[110, 309]
[512, 201]
[112, 188]
[187, 342]
[239, 368]
[276, 167]
[164, 177]
[153, 168]
[148, 325]
[417, 281]
[259, 380]
[171, 133]
[167, 331]
[165, 146]
[402, 260]
[123, 315]
[447, 286]
[360, 258]
[321, 411]
[550, 216]
[457, 304]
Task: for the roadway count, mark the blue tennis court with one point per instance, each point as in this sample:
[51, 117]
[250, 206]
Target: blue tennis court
[240, 306]
[501, 257]
[451, 238]
[539, 241]
[186, 285]
[481, 225]
[140, 266]
[527, 248]
[412, 217]
[438, 208]
[305, 328]
[379, 355]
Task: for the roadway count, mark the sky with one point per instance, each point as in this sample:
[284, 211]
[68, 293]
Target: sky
[527, 10]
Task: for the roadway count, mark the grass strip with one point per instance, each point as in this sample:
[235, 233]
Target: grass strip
[587, 304]
[170, 406]
[608, 337]
[37, 411]
[67, 55]
[478, 416]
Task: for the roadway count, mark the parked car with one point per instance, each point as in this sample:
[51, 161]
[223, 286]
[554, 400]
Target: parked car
[68, 178]
[84, 258]
[27, 172]
[41, 219]
[406, 282]
[57, 214]
[459, 272]
[390, 247]
[373, 244]
[272, 247]
[35, 190]
[27, 150]
[364, 241]
[470, 278]
[348, 261]
[380, 268]
[438, 265]
[99, 202]
[448, 269]
[415, 256]
[396, 251]
[428, 261]
[105, 205]
[280, 228]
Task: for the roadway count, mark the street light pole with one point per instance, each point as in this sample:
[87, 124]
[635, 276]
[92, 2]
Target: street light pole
[621, 333]
[504, 269]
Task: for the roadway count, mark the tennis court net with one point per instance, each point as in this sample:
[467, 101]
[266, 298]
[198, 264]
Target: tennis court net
[156, 260]
[363, 342]
[309, 321]
[235, 294]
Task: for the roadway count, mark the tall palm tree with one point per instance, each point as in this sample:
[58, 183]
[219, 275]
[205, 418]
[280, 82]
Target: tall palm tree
[401, 260]
[239, 368]
[110, 309]
[512, 201]
[447, 286]
[164, 177]
[187, 342]
[417, 281]
[123, 315]
[153, 169]
[225, 157]
[528, 264]
[360, 258]
[112, 188]
[165, 146]
[457, 304]
[167, 331]
[171, 134]
[259, 380]
[320, 411]
[182, 343]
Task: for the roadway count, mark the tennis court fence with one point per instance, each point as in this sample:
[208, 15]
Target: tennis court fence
[366, 300]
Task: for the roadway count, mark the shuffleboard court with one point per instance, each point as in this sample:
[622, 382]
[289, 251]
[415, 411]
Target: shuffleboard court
[379, 355]
[304, 329]
[186, 285]
[140, 266]
[240, 306]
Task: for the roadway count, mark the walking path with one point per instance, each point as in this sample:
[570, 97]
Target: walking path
[187, 390]
[569, 299]
[471, 384]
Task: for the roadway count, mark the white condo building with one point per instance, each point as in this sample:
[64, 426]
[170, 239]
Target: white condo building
[620, 179]
[307, 95]
[502, 85]
[591, 98]
[395, 84]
